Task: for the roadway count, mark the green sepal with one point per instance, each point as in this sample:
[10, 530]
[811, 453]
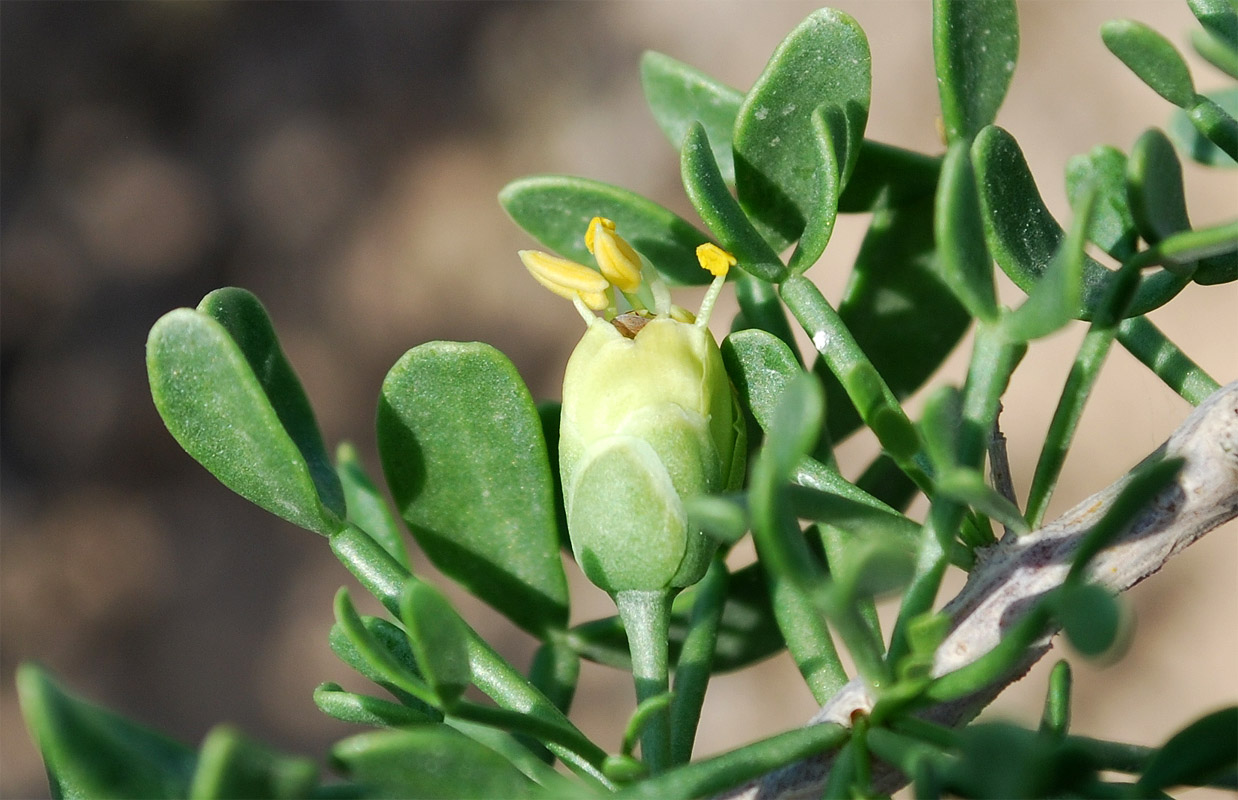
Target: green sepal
[429, 761]
[975, 47]
[1023, 237]
[462, 448]
[712, 200]
[90, 752]
[228, 396]
[231, 765]
[439, 641]
[679, 95]
[556, 209]
[1152, 57]
[367, 508]
[824, 60]
[1103, 169]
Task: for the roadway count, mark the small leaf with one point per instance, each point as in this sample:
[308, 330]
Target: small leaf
[1023, 237]
[968, 487]
[1194, 754]
[760, 366]
[233, 765]
[431, 762]
[462, 449]
[1216, 52]
[939, 427]
[679, 95]
[1103, 170]
[901, 313]
[824, 60]
[885, 176]
[367, 509]
[555, 210]
[360, 709]
[379, 661]
[1194, 144]
[719, 518]
[439, 640]
[1216, 124]
[829, 127]
[1154, 188]
[91, 752]
[1219, 18]
[1051, 303]
[975, 46]
[1055, 719]
[395, 642]
[959, 233]
[1152, 57]
[251, 431]
[1090, 617]
[555, 671]
[713, 202]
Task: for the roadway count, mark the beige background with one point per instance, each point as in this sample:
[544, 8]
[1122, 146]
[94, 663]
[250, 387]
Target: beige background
[342, 162]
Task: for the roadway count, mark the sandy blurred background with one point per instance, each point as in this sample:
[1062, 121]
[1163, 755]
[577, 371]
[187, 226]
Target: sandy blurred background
[342, 161]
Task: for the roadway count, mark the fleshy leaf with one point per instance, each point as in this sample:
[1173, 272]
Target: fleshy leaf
[361, 709]
[1219, 18]
[233, 765]
[462, 449]
[1023, 237]
[760, 365]
[429, 761]
[438, 638]
[367, 508]
[975, 46]
[1196, 753]
[1193, 143]
[902, 314]
[777, 173]
[1104, 169]
[556, 209]
[236, 407]
[1090, 617]
[713, 202]
[829, 126]
[887, 176]
[1154, 188]
[679, 95]
[91, 752]
[959, 232]
[1152, 57]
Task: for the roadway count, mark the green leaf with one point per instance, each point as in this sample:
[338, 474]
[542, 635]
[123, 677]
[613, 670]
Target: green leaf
[829, 127]
[939, 427]
[968, 487]
[712, 200]
[1216, 124]
[462, 448]
[429, 762]
[885, 176]
[1219, 18]
[360, 709]
[233, 765]
[679, 95]
[367, 509]
[777, 170]
[1090, 617]
[1023, 237]
[975, 46]
[1194, 754]
[760, 366]
[379, 660]
[555, 672]
[959, 232]
[1154, 188]
[90, 752]
[556, 209]
[1103, 169]
[1055, 720]
[898, 308]
[1216, 52]
[1191, 142]
[1152, 57]
[395, 642]
[1002, 760]
[438, 637]
[236, 408]
[1051, 303]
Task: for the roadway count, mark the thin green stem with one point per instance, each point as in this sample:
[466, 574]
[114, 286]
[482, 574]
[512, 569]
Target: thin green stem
[696, 659]
[761, 309]
[1154, 350]
[646, 616]
[539, 729]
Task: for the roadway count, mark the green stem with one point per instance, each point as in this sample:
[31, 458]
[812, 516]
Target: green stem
[646, 616]
[1166, 360]
[761, 309]
[696, 659]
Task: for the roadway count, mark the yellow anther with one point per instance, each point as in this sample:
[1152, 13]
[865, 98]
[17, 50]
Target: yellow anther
[616, 258]
[567, 278]
[715, 259]
[604, 222]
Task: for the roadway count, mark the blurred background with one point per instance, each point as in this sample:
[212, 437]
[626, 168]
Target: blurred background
[341, 160]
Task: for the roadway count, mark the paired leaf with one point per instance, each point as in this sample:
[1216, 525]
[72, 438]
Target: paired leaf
[959, 232]
[367, 508]
[1191, 142]
[778, 176]
[830, 130]
[233, 765]
[439, 640]
[1194, 754]
[462, 448]
[229, 397]
[360, 709]
[1103, 170]
[679, 95]
[975, 46]
[1154, 188]
[1090, 616]
[556, 209]
[1023, 237]
[1152, 57]
[91, 752]
[886, 176]
[429, 761]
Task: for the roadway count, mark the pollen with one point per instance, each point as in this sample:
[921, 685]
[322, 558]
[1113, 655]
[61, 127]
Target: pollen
[619, 263]
[715, 259]
[567, 278]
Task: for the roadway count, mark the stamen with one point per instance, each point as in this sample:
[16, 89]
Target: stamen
[618, 261]
[567, 278]
[718, 262]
